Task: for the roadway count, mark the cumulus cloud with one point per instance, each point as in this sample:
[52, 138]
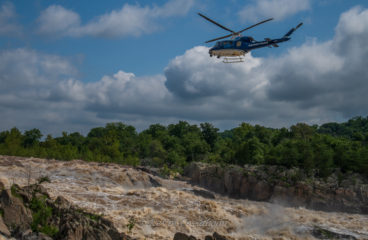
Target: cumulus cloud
[314, 83]
[331, 75]
[278, 9]
[41, 90]
[29, 81]
[8, 24]
[21, 69]
[58, 20]
[130, 20]
[195, 75]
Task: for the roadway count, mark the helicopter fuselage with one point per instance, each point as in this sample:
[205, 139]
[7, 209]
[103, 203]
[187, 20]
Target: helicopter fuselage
[240, 46]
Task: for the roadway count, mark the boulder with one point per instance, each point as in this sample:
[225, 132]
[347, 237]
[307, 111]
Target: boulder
[16, 216]
[29, 235]
[323, 233]
[183, 236]
[154, 182]
[217, 236]
[3, 228]
[4, 183]
[203, 193]
[62, 203]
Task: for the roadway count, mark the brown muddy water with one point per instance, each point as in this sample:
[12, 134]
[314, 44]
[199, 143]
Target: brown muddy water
[121, 193]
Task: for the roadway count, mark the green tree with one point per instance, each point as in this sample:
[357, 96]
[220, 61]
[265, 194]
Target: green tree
[13, 142]
[364, 160]
[157, 131]
[209, 133]
[179, 129]
[156, 150]
[32, 137]
[289, 153]
[175, 160]
[307, 158]
[250, 152]
[195, 146]
[323, 158]
[302, 131]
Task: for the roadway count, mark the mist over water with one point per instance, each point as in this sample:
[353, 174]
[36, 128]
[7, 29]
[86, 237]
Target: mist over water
[121, 193]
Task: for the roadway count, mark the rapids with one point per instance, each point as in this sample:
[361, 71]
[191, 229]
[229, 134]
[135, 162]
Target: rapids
[122, 194]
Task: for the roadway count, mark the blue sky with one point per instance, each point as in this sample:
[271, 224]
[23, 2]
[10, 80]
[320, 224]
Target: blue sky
[73, 65]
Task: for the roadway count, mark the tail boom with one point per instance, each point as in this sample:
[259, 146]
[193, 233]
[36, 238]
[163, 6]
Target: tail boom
[291, 31]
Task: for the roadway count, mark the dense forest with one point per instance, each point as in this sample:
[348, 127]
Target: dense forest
[325, 147]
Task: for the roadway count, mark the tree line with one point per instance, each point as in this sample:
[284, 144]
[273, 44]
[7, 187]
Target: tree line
[325, 147]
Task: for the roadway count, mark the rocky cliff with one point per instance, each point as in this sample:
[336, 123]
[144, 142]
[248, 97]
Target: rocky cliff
[291, 187]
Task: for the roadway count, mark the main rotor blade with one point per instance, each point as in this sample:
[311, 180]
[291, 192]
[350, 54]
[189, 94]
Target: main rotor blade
[264, 21]
[216, 23]
[220, 38]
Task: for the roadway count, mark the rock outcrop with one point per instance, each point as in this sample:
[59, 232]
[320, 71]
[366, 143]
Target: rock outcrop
[215, 236]
[322, 233]
[203, 193]
[183, 236]
[17, 217]
[3, 228]
[292, 187]
[29, 214]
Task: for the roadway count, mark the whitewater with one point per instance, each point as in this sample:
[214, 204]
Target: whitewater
[158, 208]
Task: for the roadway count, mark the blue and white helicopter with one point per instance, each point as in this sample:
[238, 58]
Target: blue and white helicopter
[233, 50]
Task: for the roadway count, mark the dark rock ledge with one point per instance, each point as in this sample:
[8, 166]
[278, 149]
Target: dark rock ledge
[292, 187]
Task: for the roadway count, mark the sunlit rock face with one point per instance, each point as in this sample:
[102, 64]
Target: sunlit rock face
[162, 207]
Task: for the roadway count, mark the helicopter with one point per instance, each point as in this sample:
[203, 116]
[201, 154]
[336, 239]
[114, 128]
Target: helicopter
[233, 50]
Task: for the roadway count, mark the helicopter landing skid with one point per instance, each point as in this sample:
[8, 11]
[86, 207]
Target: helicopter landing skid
[237, 59]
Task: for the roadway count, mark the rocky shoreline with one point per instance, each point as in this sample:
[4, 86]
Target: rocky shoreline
[57, 220]
[49, 199]
[290, 187]
[19, 215]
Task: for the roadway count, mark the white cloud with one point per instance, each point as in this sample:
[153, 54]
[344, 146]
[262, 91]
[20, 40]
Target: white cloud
[8, 24]
[29, 80]
[40, 90]
[21, 69]
[173, 8]
[278, 9]
[130, 20]
[58, 20]
[314, 83]
[195, 75]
